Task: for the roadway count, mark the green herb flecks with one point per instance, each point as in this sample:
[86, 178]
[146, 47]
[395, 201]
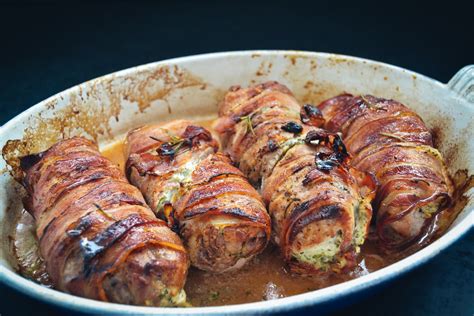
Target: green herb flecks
[392, 136]
[213, 295]
[248, 123]
[171, 147]
[104, 213]
[374, 106]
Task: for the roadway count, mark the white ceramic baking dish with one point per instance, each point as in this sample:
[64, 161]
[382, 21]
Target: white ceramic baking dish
[190, 87]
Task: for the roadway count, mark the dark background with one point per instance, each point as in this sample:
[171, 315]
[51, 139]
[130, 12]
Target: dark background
[49, 46]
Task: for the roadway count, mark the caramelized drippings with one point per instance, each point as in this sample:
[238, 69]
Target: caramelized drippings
[26, 251]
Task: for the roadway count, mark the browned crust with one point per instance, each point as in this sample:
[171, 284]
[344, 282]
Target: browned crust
[392, 142]
[205, 187]
[90, 220]
[303, 170]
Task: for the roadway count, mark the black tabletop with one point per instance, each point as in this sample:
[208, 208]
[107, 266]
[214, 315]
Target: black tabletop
[49, 46]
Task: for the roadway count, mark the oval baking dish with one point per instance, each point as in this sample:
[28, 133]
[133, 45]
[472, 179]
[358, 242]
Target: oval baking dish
[106, 108]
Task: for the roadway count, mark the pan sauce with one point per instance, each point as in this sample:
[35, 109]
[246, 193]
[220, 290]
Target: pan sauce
[263, 278]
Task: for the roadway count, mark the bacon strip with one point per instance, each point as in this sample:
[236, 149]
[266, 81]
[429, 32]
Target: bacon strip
[319, 205]
[219, 215]
[393, 143]
[98, 237]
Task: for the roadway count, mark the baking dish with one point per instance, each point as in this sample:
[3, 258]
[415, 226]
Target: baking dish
[190, 87]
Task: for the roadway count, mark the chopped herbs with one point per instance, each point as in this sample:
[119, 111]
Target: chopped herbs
[169, 149]
[103, 212]
[213, 295]
[371, 105]
[292, 127]
[191, 135]
[392, 136]
[248, 123]
[167, 299]
[155, 139]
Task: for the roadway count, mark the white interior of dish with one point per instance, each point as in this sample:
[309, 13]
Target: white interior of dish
[191, 88]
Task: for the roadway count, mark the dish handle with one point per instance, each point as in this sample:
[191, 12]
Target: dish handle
[463, 83]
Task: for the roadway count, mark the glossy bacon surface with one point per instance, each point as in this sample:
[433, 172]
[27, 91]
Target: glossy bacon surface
[201, 195]
[97, 236]
[392, 142]
[319, 205]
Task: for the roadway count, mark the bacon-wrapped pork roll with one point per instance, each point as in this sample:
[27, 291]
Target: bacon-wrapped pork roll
[320, 207]
[218, 214]
[392, 142]
[97, 236]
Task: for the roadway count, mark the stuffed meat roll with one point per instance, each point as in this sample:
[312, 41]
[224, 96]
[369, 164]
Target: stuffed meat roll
[219, 215]
[319, 205]
[96, 234]
[392, 142]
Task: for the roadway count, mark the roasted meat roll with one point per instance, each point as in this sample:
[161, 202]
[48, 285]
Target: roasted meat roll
[319, 205]
[392, 142]
[201, 195]
[96, 234]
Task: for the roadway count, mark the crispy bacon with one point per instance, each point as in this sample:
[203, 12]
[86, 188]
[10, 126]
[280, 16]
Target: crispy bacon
[98, 237]
[319, 205]
[219, 215]
[392, 142]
